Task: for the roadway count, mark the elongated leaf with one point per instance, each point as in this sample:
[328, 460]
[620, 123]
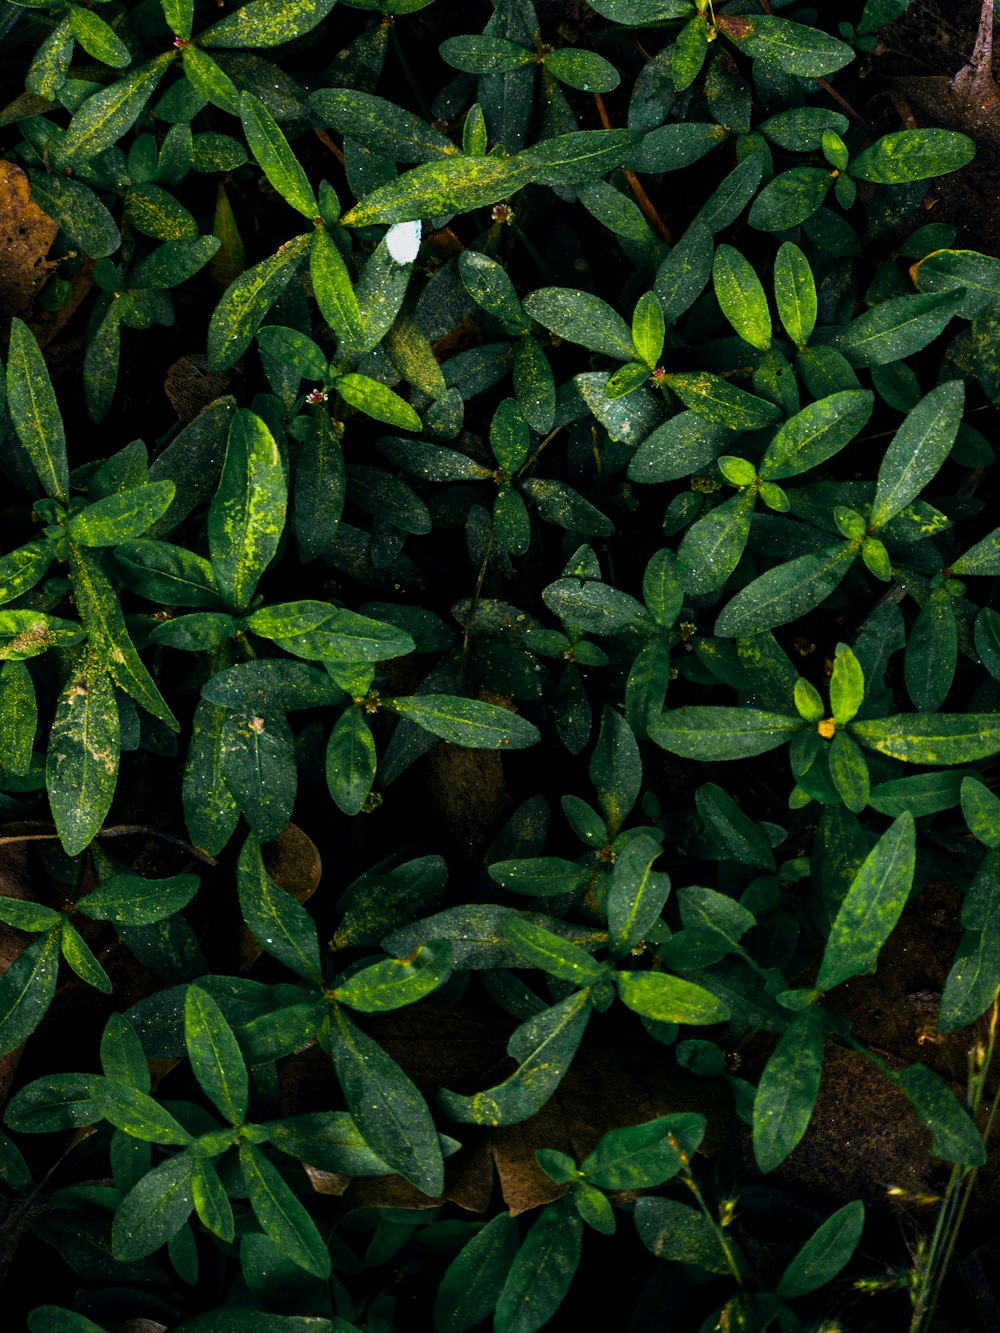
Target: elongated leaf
[467, 722]
[795, 293]
[932, 738]
[788, 1090]
[643, 1156]
[266, 23]
[825, 1253]
[26, 990]
[975, 973]
[380, 125]
[116, 518]
[578, 157]
[377, 401]
[210, 812]
[83, 752]
[722, 733]
[637, 894]
[246, 517]
[582, 318]
[137, 1113]
[670, 999]
[258, 765]
[104, 622]
[786, 592]
[712, 546]
[390, 1112]
[912, 155]
[954, 1137]
[59, 1101]
[109, 114]
[241, 311]
[279, 924]
[544, 1046]
[443, 186]
[677, 1231]
[918, 450]
[279, 164]
[816, 433]
[397, 981]
[350, 761]
[130, 900]
[872, 906]
[154, 1210]
[559, 958]
[741, 297]
[473, 1281]
[896, 328]
[18, 717]
[542, 1272]
[795, 48]
[33, 409]
[283, 1219]
[215, 1055]
[721, 402]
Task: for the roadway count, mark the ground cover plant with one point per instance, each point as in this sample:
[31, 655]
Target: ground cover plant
[473, 748]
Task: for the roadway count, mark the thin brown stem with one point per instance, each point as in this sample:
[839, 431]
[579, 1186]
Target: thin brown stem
[635, 185]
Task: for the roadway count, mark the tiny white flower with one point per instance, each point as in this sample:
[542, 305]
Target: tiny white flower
[403, 241]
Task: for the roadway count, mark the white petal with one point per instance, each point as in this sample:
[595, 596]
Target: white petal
[403, 241]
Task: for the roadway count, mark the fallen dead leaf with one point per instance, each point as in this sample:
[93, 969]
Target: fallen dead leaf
[26, 236]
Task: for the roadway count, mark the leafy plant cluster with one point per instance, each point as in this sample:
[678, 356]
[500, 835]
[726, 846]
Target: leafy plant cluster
[606, 396]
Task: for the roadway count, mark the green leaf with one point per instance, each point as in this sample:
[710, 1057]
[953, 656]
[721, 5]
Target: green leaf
[896, 328]
[26, 990]
[644, 1156]
[279, 923]
[616, 769]
[83, 752]
[741, 297]
[872, 906]
[167, 574]
[24, 914]
[467, 722]
[179, 15]
[847, 685]
[975, 972]
[97, 38]
[544, 1046]
[58, 1101]
[721, 402]
[640, 12]
[816, 433]
[790, 198]
[247, 513]
[786, 592]
[932, 651]
[136, 1113]
[578, 157]
[648, 328]
[348, 638]
[266, 23]
[581, 69]
[472, 1283]
[154, 1209]
[31, 402]
[946, 270]
[445, 186]
[721, 733]
[334, 293]
[375, 400]
[279, 164]
[676, 1231]
[210, 1199]
[825, 1253]
[487, 283]
[913, 155]
[54, 1319]
[106, 116]
[795, 293]
[22, 568]
[539, 876]
[283, 1219]
[932, 738]
[981, 810]
[582, 318]
[101, 613]
[350, 761]
[81, 959]
[669, 999]
[397, 982]
[215, 1056]
[329, 1140]
[711, 548]
[918, 450]
[390, 1113]
[208, 80]
[953, 1135]
[319, 490]
[737, 836]
[380, 126]
[637, 894]
[88, 225]
[794, 48]
[118, 517]
[130, 900]
[787, 1091]
[241, 311]
[542, 1271]
[18, 717]
[682, 276]
[210, 812]
[560, 958]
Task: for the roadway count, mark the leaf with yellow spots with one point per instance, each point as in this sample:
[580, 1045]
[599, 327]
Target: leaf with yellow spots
[82, 763]
[247, 514]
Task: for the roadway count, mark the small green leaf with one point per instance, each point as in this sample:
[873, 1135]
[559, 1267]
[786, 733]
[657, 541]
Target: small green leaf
[788, 1090]
[644, 1156]
[975, 973]
[741, 297]
[18, 717]
[825, 1253]
[795, 48]
[637, 894]
[896, 328]
[648, 328]
[913, 155]
[81, 959]
[673, 1230]
[378, 401]
[280, 924]
[670, 999]
[954, 1137]
[350, 761]
[467, 722]
[247, 514]
[790, 198]
[711, 548]
[721, 402]
[932, 651]
[558, 957]
[154, 1209]
[136, 1113]
[283, 1219]
[215, 1056]
[581, 69]
[31, 402]
[397, 982]
[786, 592]
[279, 164]
[872, 906]
[266, 23]
[542, 1271]
[380, 126]
[334, 292]
[815, 434]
